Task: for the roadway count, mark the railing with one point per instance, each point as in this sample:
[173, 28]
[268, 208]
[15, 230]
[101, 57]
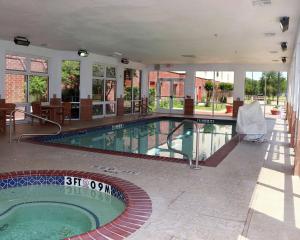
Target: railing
[169, 143]
[32, 134]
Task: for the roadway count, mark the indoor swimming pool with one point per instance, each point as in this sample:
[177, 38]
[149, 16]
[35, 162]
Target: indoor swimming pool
[149, 138]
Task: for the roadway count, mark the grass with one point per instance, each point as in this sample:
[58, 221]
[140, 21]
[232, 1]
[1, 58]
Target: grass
[218, 107]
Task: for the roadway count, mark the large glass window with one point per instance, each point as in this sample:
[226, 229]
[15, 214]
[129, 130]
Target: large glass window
[269, 89]
[104, 90]
[166, 91]
[132, 90]
[70, 85]
[213, 92]
[26, 80]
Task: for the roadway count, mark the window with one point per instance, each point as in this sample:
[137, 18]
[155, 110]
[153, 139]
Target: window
[268, 88]
[103, 90]
[213, 92]
[15, 63]
[38, 65]
[26, 80]
[132, 90]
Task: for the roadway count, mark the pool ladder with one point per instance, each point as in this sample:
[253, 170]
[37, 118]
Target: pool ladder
[169, 143]
[31, 134]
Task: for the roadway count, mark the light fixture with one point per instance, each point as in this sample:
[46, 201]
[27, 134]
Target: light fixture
[283, 59]
[124, 60]
[83, 53]
[21, 41]
[283, 46]
[284, 23]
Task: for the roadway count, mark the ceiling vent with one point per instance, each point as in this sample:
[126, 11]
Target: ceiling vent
[261, 3]
[269, 34]
[188, 55]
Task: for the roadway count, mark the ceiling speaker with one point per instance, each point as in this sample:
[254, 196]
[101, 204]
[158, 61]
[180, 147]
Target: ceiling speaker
[156, 67]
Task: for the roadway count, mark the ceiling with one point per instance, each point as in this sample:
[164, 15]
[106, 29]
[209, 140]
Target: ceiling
[157, 31]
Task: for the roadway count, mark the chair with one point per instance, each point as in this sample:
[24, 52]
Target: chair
[37, 110]
[67, 107]
[55, 101]
[10, 107]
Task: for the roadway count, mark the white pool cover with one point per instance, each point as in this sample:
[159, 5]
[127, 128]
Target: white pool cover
[251, 121]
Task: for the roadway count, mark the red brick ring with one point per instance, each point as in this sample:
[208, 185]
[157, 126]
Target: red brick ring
[138, 204]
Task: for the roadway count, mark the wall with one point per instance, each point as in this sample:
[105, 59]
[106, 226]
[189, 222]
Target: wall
[55, 58]
[293, 114]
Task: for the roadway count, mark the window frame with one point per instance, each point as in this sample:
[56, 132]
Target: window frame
[28, 73]
[104, 103]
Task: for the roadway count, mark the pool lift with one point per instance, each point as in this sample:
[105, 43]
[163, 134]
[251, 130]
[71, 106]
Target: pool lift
[186, 156]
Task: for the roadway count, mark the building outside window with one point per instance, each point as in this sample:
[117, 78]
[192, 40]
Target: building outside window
[26, 81]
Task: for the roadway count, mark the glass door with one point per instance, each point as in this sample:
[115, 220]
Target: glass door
[170, 98]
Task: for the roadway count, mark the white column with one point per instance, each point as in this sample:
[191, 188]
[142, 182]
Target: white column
[145, 83]
[2, 73]
[189, 84]
[120, 81]
[239, 84]
[86, 74]
[54, 68]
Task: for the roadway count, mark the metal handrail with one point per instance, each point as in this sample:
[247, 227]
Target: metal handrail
[169, 142]
[32, 134]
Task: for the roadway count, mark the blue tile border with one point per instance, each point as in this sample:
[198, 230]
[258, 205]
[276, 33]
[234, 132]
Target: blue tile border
[30, 180]
[46, 180]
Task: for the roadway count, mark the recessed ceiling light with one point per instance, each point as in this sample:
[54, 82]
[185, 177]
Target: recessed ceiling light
[283, 59]
[188, 55]
[118, 54]
[273, 52]
[261, 2]
[269, 34]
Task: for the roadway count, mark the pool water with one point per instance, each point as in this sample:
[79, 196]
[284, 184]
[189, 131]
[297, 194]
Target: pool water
[150, 138]
[54, 212]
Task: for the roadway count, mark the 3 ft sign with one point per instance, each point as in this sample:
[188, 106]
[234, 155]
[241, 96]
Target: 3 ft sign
[87, 183]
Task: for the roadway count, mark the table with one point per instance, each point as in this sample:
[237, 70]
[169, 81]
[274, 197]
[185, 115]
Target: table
[55, 112]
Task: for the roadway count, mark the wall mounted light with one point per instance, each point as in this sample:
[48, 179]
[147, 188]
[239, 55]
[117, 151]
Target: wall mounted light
[284, 23]
[124, 60]
[283, 59]
[21, 41]
[283, 46]
[83, 53]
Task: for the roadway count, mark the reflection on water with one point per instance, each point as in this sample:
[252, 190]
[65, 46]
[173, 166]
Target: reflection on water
[150, 138]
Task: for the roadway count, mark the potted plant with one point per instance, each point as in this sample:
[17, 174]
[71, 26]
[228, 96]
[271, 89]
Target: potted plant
[275, 110]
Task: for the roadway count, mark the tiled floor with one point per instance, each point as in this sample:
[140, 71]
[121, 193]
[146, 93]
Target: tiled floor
[250, 195]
